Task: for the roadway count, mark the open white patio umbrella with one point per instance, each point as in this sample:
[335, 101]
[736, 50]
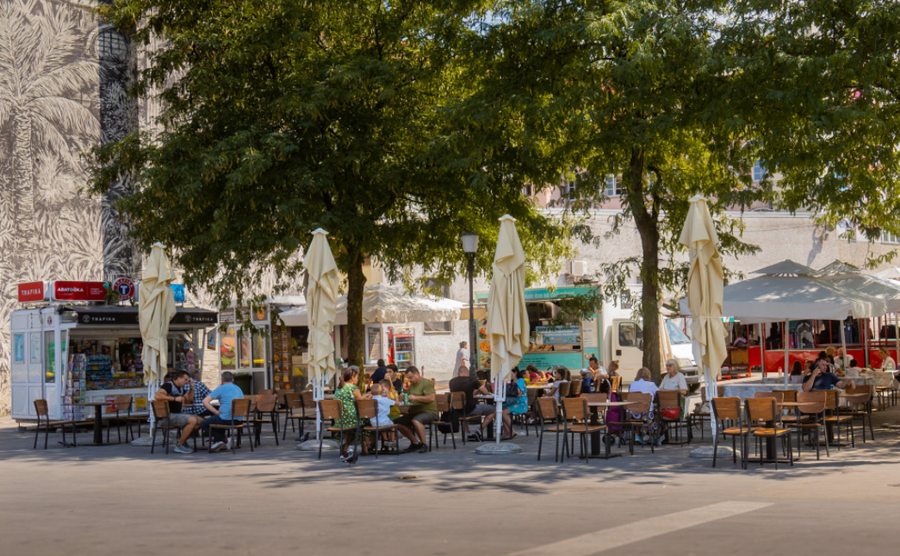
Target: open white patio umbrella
[321, 299]
[706, 282]
[507, 319]
[156, 309]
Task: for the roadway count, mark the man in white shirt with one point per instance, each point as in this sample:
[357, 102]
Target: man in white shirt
[462, 358]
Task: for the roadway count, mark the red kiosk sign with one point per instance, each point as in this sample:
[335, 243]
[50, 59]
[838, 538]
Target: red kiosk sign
[78, 291]
[32, 291]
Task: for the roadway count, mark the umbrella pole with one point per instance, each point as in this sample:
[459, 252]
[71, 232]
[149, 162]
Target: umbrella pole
[784, 370]
[865, 344]
[896, 336]
[498, 447]
[843, 341]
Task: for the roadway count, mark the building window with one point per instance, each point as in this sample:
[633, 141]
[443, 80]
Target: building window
[887, 237]
[759, 171]
[613, 188]
[438, 327]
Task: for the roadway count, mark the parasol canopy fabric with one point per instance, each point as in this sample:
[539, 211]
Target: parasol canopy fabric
[157, 307]
[706, 282]
[322, 298]
[507, 318]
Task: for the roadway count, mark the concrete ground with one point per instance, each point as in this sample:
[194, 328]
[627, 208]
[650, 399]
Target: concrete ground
[123, 500]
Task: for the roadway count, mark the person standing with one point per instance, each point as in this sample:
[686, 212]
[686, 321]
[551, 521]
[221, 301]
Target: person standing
[173, 391]
[462, 358]
[221, 415]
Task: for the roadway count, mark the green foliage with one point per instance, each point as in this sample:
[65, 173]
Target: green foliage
[283, 116]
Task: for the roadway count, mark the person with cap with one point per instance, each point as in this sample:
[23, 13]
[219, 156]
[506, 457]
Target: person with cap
[587, 381]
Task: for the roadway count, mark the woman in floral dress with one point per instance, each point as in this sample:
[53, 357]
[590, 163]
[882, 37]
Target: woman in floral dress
[349, 393]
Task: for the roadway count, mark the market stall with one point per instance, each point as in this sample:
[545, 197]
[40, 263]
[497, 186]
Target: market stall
[75, 354]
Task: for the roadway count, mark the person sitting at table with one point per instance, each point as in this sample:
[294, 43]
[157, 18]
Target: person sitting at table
[613, 370]
[379, 373]
[173, 391]
[518, 406]
[561, 374]
[596, 369]
[349, 393]
[887, 362]
[385, 405]
[674, 379]
[470, 386]
[533, 374]
[393, 374]
[196, 392]
[853, 370]
[643, 384]
[587, 381]
[820, 378]
[224, 393]
[422, 410]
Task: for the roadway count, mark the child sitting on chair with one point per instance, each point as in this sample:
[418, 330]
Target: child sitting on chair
[386, 406]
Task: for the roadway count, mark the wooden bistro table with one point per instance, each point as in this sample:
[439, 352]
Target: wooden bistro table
[595, 436]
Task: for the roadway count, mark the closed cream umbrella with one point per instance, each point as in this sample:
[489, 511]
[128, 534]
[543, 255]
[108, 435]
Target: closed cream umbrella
[706, 282]
[156, 309]
[507, 320]
[321, 301]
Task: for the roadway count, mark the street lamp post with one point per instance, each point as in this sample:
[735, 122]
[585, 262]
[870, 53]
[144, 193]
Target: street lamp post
[470, 246]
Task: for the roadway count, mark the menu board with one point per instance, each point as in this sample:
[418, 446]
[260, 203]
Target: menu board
[281, 358]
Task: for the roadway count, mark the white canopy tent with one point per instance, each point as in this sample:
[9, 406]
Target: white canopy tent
[790, 291]
[383, 303]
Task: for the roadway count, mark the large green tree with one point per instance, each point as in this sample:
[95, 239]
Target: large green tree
[618, 91]
[282, 116]
[676, 98]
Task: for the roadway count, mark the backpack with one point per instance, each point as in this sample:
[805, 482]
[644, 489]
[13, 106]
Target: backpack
[449, 424]
[512, 390]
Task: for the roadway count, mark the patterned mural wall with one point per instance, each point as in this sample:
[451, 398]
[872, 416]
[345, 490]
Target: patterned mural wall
[50, 110]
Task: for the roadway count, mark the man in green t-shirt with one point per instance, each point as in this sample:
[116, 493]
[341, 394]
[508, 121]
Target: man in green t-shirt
[422, 410]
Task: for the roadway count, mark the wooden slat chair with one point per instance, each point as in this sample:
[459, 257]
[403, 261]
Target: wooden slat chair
[332, 410]
[121, 405]
[306, 412]
[671, 399]
[835, 419]
[265, 412]
[615, 384]
[160, 409]
[291, 401]
[699, 417]
[731, 423]
[368, 409]
[811, 421]
[549, 419]
[575, 389]
[762, 409]
[576, 421]
[859, 406]
[788, 417]
[240, 418]
[564, 389]
[41, 408]
[630, 424]
[448, 417]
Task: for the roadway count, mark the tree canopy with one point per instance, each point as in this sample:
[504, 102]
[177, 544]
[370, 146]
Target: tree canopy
[283, 116]
[667, 99]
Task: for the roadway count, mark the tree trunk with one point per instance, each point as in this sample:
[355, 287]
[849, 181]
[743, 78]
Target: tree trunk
[647, 225]
[355, 332]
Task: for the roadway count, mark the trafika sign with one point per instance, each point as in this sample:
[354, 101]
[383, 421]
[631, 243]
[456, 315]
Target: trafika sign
[78, 291]
[124, 287]
[32, 291]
